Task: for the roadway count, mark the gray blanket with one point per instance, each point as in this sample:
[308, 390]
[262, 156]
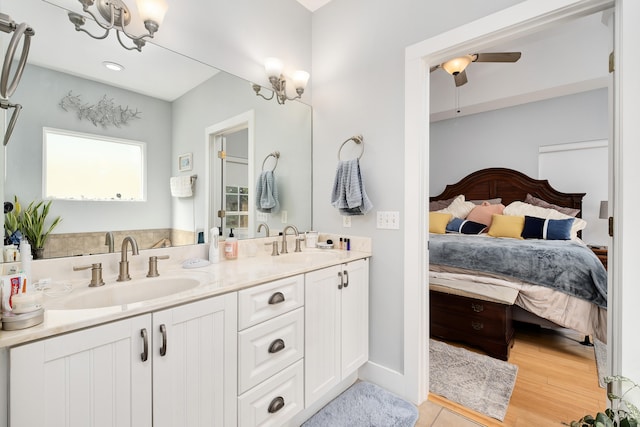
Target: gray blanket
[565, 266]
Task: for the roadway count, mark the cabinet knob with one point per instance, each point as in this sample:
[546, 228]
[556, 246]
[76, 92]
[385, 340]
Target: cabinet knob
[276, 404]
[477, 325]
[276, 346]
[478, 308]
[276, 298]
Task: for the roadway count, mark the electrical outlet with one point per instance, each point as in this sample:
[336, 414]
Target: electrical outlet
[283, 217]
[346, 221]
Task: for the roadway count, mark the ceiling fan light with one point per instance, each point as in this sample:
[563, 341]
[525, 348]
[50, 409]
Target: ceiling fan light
[457, 65]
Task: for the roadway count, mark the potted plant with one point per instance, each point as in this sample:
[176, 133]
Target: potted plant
[31, 223]
[621, 413]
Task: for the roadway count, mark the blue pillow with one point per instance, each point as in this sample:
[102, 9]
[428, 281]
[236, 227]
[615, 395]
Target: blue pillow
[457, 225]
[547, 229]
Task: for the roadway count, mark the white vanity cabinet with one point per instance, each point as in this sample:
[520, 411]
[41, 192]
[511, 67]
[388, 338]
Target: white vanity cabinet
[336, 325]
[168, 368]
[271, 352]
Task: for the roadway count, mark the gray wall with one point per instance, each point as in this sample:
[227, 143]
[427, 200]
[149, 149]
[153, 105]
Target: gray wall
[40, 92]
[358, 51]
[510, 137]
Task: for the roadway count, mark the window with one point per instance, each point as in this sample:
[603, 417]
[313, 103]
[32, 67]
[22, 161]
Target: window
[80, 166]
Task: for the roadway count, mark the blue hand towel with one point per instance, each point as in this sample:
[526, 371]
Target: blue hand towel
[267, 193]
[348, 193]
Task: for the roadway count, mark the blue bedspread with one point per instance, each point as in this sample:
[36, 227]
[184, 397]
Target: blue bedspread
[566, 266]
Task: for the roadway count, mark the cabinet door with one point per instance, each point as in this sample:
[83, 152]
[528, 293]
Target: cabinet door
[94, 377]
[322, 332]
[355, 316]
[194, 378]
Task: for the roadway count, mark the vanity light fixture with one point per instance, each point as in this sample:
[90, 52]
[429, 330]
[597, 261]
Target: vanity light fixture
[117, 16]
[273, 68]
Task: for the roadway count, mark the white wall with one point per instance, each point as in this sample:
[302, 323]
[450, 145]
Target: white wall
[358, 74]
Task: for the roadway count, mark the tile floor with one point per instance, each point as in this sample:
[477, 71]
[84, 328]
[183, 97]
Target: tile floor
[434, 415]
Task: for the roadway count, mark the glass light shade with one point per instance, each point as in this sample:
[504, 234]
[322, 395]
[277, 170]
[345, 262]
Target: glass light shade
[273, 67]
[457, 65]
[152, 10]
[300, 79]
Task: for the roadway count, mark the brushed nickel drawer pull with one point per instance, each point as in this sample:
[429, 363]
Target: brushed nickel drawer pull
[145, 345]
[478, 308]
[341, 284]
[276, 404]
[163, 331]
[276, 298]
[276, 346]
[346, 277]
[477, 325]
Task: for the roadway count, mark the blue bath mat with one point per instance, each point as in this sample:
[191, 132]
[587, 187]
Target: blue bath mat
[365, 405]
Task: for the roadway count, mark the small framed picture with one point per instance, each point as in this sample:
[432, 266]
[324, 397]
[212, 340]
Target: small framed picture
[185, 162]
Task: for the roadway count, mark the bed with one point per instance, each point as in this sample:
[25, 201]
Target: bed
[557, 283]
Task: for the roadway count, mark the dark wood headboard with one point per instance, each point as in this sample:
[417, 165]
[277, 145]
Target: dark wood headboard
[510, 185]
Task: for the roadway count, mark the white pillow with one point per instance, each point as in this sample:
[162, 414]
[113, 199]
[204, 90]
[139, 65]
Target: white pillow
[459, 208]
[521, 209]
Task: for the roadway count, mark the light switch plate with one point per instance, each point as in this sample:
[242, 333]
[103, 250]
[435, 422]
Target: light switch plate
[388, 220]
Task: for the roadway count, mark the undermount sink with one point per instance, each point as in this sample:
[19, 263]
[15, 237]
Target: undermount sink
[306, 257]
[133, 291]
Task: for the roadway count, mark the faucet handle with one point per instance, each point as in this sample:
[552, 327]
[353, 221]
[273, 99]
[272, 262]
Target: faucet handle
[153, 265]
[298, 240]
[96, 273]
[274, 247]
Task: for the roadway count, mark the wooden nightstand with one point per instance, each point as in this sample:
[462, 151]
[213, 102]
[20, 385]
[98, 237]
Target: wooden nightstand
[601, 253]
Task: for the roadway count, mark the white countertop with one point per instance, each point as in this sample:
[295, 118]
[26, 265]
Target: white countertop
[216, 279]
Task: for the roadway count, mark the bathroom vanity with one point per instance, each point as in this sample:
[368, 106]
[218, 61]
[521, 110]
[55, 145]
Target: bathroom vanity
[259, 341]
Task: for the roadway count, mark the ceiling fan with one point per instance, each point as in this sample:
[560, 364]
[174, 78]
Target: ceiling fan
[456, 66]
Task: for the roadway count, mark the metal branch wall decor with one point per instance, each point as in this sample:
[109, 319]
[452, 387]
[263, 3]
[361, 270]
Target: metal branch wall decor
[104, 113]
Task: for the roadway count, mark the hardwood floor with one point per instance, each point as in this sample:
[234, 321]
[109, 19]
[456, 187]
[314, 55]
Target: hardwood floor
[557, 382]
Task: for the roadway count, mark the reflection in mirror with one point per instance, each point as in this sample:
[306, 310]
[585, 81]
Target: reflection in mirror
[178, 100]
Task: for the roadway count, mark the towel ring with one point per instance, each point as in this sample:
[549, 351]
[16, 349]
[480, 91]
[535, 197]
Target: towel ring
[275, 154]
[358, 140]
[21, 30]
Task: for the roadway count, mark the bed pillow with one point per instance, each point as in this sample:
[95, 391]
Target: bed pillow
[495, 201]
[458, 208]
[547, 229]
[464, 226]
[438, 222]
[484, 213]
[543, 204]
[506, 226]
[523, 209]
[436, 205]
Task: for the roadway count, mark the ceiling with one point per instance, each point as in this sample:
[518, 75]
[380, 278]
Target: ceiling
[313, 5]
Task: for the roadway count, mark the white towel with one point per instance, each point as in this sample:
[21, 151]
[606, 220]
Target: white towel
[267, 193]
[181, 186]
[348, 193]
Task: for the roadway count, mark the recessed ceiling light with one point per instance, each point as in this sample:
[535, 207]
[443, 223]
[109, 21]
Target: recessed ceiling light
[112, 66]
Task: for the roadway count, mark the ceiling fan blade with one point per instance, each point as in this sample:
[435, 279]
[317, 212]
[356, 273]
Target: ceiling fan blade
[498, 57]
[435, 67]
[460, 78]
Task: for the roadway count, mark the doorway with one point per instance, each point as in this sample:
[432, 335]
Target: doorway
[524, 18]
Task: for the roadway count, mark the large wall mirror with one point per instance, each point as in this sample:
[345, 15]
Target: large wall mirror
[176, 100]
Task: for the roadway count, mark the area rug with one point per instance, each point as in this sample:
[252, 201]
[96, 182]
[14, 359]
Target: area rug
[600, 349]
[365, 405]
[474, 380]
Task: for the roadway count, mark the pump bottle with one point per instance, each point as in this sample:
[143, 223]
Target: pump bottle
[214, 249]
[231, 246]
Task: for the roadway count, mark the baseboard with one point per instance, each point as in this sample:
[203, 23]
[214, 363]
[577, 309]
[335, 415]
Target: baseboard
[384, 377]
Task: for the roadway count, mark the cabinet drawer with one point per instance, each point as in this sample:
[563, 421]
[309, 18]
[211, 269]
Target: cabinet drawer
[275, 401]
[499, 327]
[466, 306]
[265, 349]
[267, 301]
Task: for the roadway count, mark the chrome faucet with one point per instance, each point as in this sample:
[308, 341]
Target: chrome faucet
[108, 241]
[124, 263]
[266, 229]
[284, 239]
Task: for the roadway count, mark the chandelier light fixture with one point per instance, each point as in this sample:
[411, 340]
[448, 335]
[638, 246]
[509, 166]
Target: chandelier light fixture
[115, 15]
[273, 68]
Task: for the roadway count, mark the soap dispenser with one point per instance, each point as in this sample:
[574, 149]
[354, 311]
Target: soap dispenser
[231, 246]
[214, 250]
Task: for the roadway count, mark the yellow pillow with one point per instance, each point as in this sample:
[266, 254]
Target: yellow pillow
[506, 226]
[438, 222]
